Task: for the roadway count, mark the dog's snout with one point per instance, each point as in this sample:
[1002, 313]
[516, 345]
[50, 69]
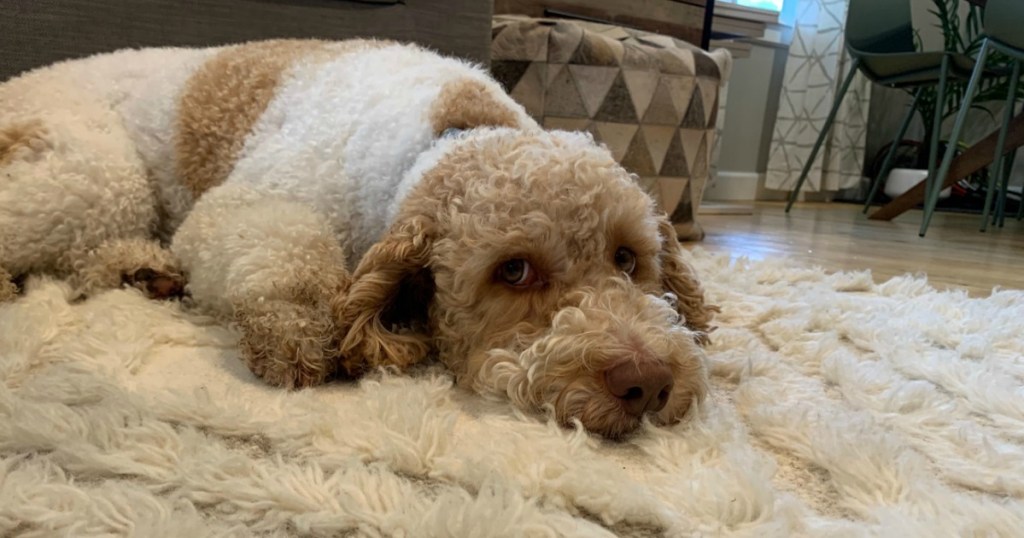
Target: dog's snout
[643, 386]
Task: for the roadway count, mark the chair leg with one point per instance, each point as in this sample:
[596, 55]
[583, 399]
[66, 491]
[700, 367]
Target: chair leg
[1007, 165]
[933, 149]
[936, 180]
[1004, 189]
[891, 155]
[998, 180]
[998, 163]
[1020, 207]
[824, 133]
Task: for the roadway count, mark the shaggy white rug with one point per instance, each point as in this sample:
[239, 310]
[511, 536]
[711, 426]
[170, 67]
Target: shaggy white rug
[840, 408]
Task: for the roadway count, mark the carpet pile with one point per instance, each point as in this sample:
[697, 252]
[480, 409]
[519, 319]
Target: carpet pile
[840, 407]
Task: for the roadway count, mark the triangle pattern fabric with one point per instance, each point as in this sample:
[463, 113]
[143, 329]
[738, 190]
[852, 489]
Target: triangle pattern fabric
[551, 72]
[563, 98]
[691, 140]
[633, 56]
[529, 92]
[563, 41]
[566, 124]
[497, 30]
[637, 158]
[694, 117]
[520, 42]
[671, 63]
[641, 84]
[709, 94]
[658, 41]
[595, 50]
[536, 42]
[681, 90]
[661, 111]
[675, 164]
[699, 167]
[713, 115]
[704, 66]
[508, 72]
[594, 82]
[618, 51]
[658, 138]
[617, 136]
[698, 187]
[683, 211]
[688, 60]
[650, 186]
[618, 105]
[671, 191]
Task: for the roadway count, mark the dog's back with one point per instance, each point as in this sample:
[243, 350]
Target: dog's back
[123, 144]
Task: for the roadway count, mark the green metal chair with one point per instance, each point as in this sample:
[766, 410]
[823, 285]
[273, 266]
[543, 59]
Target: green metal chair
[1002, 23]
[880, 40]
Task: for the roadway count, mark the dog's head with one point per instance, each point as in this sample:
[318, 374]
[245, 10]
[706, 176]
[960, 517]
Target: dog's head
[537, 269]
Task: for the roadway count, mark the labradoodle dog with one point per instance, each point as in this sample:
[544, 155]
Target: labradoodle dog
[355, 205]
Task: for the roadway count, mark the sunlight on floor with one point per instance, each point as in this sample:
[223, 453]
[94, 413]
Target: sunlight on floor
[838, 237]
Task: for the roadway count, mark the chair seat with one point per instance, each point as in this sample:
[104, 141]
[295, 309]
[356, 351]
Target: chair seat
[1003, 20]
[909, 69]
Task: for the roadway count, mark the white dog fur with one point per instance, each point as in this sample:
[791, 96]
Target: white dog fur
[304, 186]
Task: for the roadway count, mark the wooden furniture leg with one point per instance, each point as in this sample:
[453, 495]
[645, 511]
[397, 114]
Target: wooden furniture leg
[970, 161]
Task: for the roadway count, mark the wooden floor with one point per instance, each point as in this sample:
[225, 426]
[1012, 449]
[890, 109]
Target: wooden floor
[837, 236]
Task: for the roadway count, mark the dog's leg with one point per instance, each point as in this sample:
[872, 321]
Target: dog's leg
[275, 268]
[68, 184]
[141, 263]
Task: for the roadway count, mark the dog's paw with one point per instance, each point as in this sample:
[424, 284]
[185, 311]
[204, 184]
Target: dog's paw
[156, 284]
[26, 141]
[287, 344]
[136, 262]
[8, 289]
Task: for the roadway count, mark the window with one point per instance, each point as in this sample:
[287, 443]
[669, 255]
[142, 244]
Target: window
[770, 5]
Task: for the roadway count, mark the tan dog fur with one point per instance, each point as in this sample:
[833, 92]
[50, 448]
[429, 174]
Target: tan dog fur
[566, 207]
[280, 166]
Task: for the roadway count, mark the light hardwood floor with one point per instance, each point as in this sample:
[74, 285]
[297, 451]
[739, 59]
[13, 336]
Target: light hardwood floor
[839, 237]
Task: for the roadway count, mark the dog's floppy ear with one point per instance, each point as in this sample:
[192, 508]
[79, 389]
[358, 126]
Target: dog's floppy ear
[680, 279]
[384, 313]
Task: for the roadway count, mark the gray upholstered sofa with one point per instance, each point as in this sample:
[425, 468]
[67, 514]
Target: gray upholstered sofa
[38, 32]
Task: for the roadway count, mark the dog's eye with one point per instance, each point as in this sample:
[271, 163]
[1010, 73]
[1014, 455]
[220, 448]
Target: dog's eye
[625, 260]
[517, 273]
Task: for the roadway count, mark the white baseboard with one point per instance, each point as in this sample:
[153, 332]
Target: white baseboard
[733, 186]
[726, 208]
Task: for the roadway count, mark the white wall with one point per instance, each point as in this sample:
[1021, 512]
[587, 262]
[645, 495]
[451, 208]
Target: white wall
[752, 103]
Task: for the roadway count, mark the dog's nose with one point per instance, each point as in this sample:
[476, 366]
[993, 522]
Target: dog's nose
[643, 386]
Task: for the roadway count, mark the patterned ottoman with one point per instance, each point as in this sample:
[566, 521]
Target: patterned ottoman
[651, 99]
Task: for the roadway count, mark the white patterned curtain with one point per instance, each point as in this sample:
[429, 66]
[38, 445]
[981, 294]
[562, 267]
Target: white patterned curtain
[817, 64]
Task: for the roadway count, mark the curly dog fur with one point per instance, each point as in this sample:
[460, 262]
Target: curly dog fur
[560, 202]
[314, 194]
